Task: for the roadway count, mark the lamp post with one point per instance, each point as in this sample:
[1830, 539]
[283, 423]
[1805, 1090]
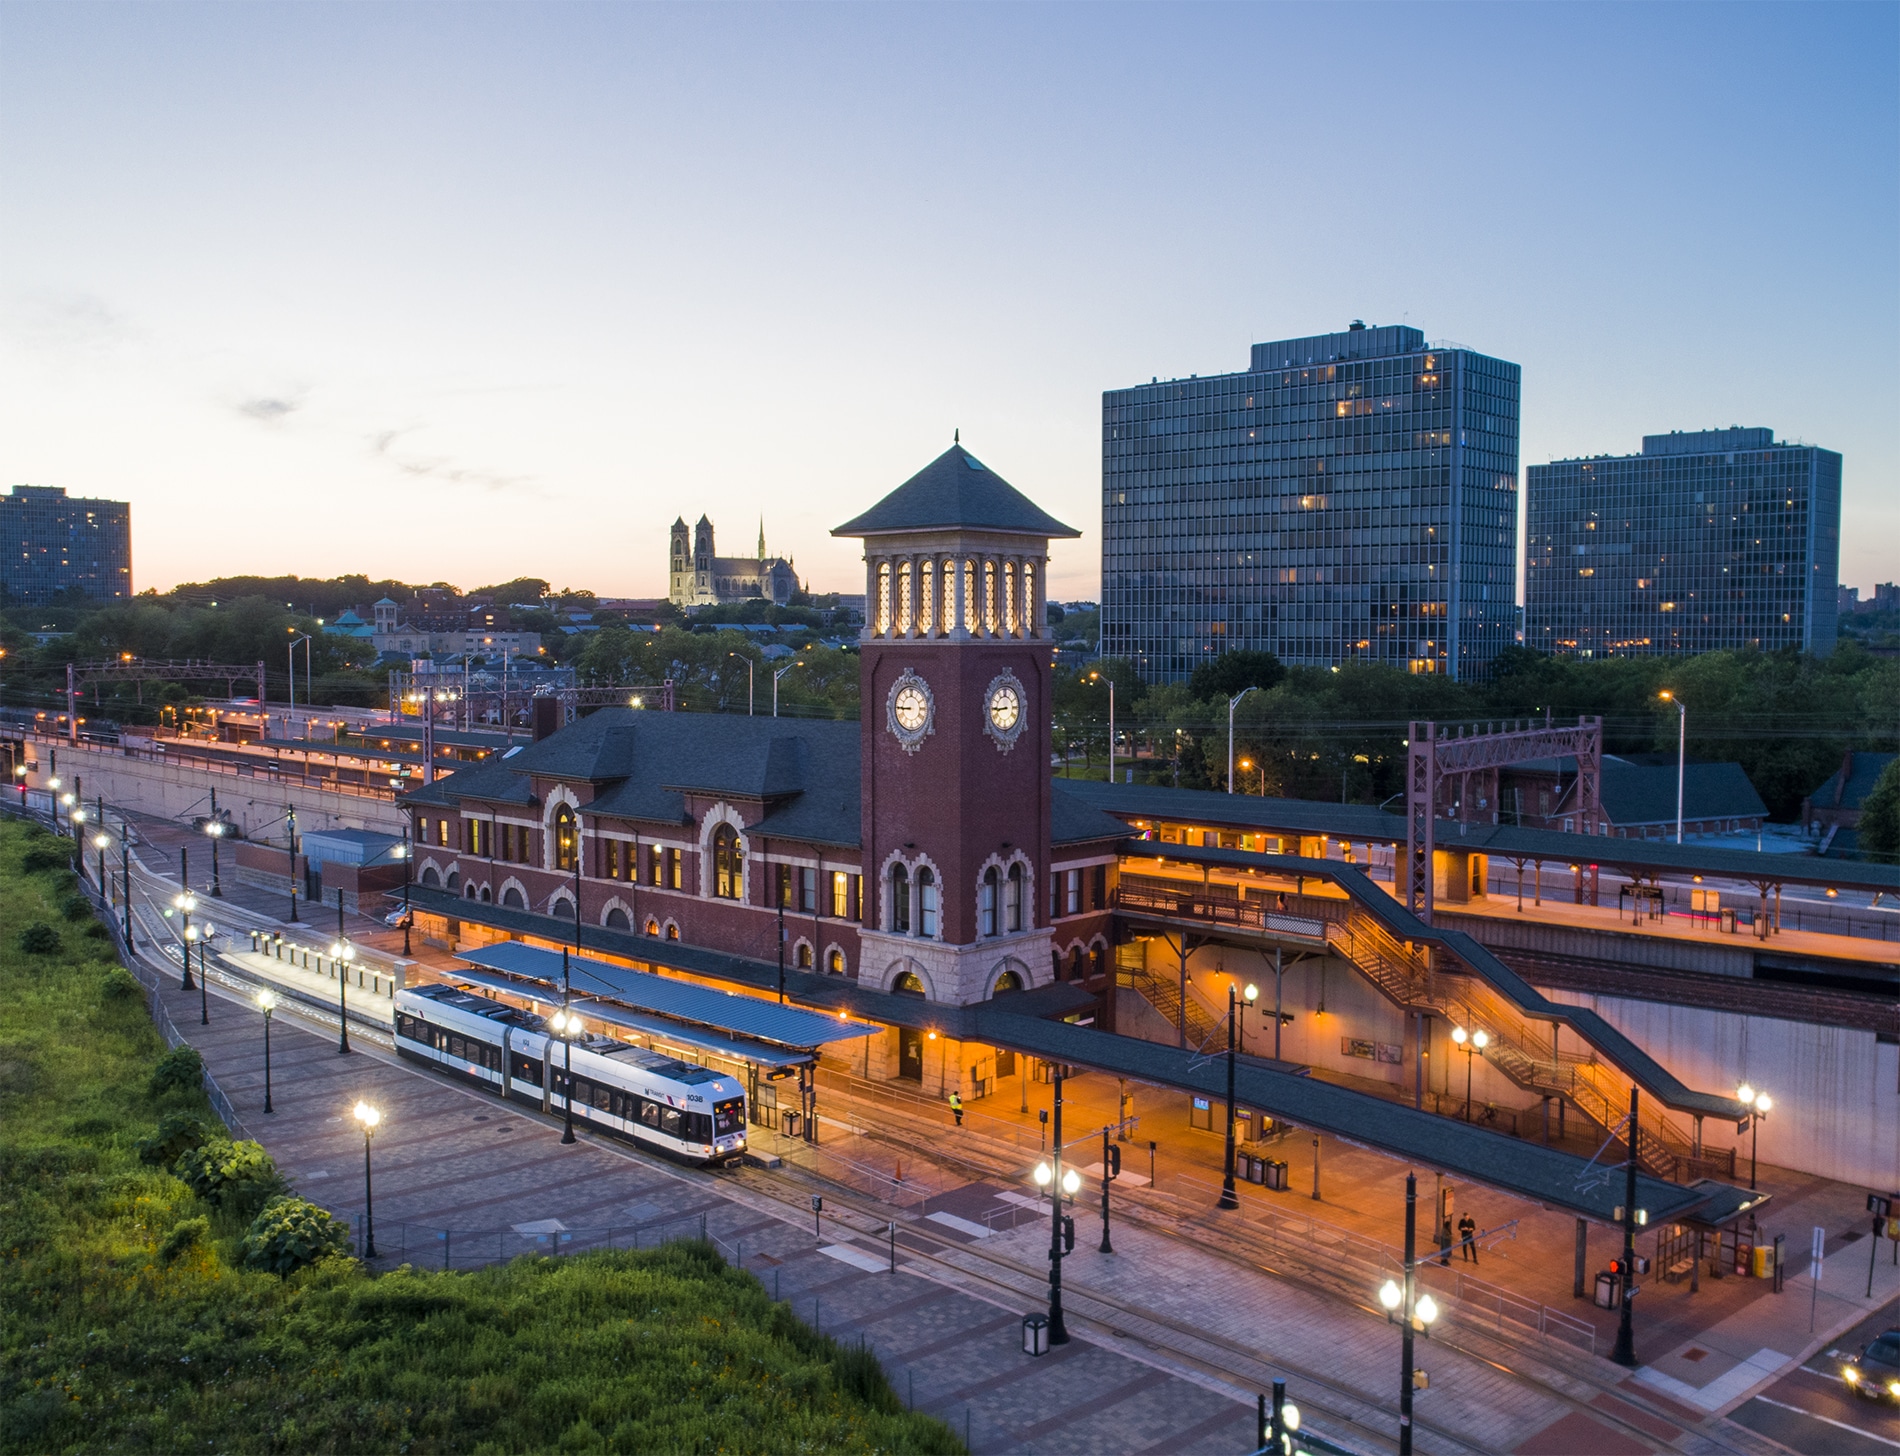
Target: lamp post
[775, 677]
[1228, 1197]
[19, 773]
[214, 828]
[1058, 1180]
[1413, 1312]
[1757, 1104]
[125, 879]
[1625, 1352]
[408, 873]
[1682, 752]
[267, 1003]
[749, 681]
[68, 801]
[290, 653]
[1097, 677]
[1469, 1042]
[343, 953]
[204, 996]
[567, 1026]
[1233, 703]
[185, 903]
[290, 816]
[99, 842]
[369, 1117]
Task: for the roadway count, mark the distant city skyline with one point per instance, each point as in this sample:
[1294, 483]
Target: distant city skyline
[465, 293]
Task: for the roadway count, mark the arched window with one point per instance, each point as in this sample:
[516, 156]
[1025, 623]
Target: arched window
[1007, 982]
[567, 838]
[617, 919]
[471, 892]
[992, 888]
[653, 926]
[430, 877]
[804, 955]
[454, 879]
[1013, 900]
[728, 864]
[908, 984]
[1097, 960]
[900, 900]
[511, 899]
[672, 931]
[1075, 964]
[834, 961]
[883, 599]
[927, 903]
[487, 895]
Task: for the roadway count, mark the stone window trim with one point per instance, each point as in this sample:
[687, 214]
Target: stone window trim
[616, 903]
[802, 946]
[442, 869]
[511, 883]
[911, 863]
[561, 904]
[1002, 867]
[896, 971]
[722, 813]
[559, 796]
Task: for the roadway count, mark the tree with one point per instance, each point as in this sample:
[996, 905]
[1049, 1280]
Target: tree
[1879, 828]
[1234, 672]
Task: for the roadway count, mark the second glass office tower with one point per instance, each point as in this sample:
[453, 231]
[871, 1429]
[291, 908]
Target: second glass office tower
[1350, 497]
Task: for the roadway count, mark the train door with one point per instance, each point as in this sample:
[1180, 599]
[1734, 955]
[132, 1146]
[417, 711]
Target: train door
[910, 1054]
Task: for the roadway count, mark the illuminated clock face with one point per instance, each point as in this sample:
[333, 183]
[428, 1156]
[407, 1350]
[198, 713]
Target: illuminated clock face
[911, 709]
[1006, 708]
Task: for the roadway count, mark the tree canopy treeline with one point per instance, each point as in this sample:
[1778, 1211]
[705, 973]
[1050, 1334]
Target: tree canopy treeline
[1339, 733]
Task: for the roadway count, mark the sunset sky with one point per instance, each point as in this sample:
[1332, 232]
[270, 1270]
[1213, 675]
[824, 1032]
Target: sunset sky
[473, 291]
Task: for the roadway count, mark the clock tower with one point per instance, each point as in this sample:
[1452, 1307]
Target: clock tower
[957, 719]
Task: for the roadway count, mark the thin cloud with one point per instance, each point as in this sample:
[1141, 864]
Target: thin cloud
[383, 446]
[268, 409]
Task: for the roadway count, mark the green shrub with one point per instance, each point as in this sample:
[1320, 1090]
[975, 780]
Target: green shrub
[177, 1133]
[96, 930]
[119, 984]
[76, 907]
[292, 1232]
[181, 1069]
[53, 854]
[183, 1237]
[237, 1178]
[39, 938]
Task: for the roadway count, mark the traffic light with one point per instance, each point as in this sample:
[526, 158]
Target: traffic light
[1068, 1234]
[1114, 1161]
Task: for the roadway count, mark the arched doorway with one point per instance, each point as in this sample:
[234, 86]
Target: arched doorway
[1007, 982]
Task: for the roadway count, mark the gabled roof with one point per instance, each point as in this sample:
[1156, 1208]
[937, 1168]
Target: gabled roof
[956, 491]
[1074, 820]
[1850, 784]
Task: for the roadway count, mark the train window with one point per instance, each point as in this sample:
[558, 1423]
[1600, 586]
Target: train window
[699, 1126]
[603, 1097]
[457, 1047]
[728, 1116]
[650, 1113]
[527, 1069]
[672, 1122]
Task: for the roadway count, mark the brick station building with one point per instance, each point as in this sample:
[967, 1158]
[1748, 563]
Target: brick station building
[924, 850]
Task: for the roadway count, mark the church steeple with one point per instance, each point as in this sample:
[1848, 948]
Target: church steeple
[761, 538]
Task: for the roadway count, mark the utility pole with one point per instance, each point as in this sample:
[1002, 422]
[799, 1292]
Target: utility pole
[1625, 1353]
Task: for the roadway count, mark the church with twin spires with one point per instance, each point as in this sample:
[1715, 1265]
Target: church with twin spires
[696, 577]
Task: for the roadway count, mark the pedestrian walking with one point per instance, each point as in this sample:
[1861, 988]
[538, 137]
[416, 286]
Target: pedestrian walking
[1444, 1243]
[1467, 1231]
[956, 1108]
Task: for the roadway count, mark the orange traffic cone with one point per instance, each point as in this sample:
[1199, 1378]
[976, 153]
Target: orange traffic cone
[898, 1177]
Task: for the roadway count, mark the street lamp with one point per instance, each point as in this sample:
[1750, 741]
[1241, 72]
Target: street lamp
[1758, 1104]
[267, 1003]
[369, 1117]
[214, 830]
[1233, 703]
[1469, 1042]
[1228, 1197]
[204, 1001]
[1411, 1311]
[68, 801]
[185, 903]
[99, 842]
[19, 772]
[775, 677]
[1682, 752]
[567, 1026]
[344, 954]
[1097, 677]
[749, 675]
[1058, 1181]
[408, 869]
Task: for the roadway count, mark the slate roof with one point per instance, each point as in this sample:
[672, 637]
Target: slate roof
[643, 764]
[1074, 820]
[956, 491]
[1850, 784]
[1635, 793]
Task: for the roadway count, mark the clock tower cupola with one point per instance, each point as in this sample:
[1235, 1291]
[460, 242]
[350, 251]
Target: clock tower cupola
[956, 664]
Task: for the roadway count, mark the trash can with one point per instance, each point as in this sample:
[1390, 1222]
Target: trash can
[1256, 1169]
[792, 1124]
[1764, 1260]
[1609, 1287]
[1728, 919]
[1276, 1174]
[1036, 1334]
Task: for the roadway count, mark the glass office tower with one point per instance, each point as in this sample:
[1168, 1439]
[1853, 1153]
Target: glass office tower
[50, 541]
[1350, 497]
[1709, 539]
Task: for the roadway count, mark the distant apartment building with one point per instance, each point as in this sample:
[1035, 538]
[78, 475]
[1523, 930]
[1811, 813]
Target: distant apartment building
[50, 542]
[1709, 539]
[1349, 497]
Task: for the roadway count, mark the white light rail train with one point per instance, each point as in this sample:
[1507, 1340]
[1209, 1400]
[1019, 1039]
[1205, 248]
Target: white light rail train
[692, 1113]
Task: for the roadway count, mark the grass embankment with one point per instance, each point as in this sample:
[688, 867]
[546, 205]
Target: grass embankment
[128, 1319]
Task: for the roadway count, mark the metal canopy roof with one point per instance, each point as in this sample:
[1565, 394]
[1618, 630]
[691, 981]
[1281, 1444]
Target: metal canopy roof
[659, 1026]
[728, 1011]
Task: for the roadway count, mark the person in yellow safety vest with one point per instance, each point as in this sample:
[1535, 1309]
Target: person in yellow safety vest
[956, 1108]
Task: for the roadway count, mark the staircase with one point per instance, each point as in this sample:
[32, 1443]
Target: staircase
[1525, 1052]
[1164, 994]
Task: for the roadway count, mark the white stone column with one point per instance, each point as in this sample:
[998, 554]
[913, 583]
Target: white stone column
[958, 632]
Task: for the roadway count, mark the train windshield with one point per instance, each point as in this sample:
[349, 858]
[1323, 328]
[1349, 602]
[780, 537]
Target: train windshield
[728, 1117]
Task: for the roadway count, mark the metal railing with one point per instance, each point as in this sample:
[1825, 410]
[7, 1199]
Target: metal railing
[407, 1243]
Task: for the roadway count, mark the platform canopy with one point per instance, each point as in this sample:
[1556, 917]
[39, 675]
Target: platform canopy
[682, 1001]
